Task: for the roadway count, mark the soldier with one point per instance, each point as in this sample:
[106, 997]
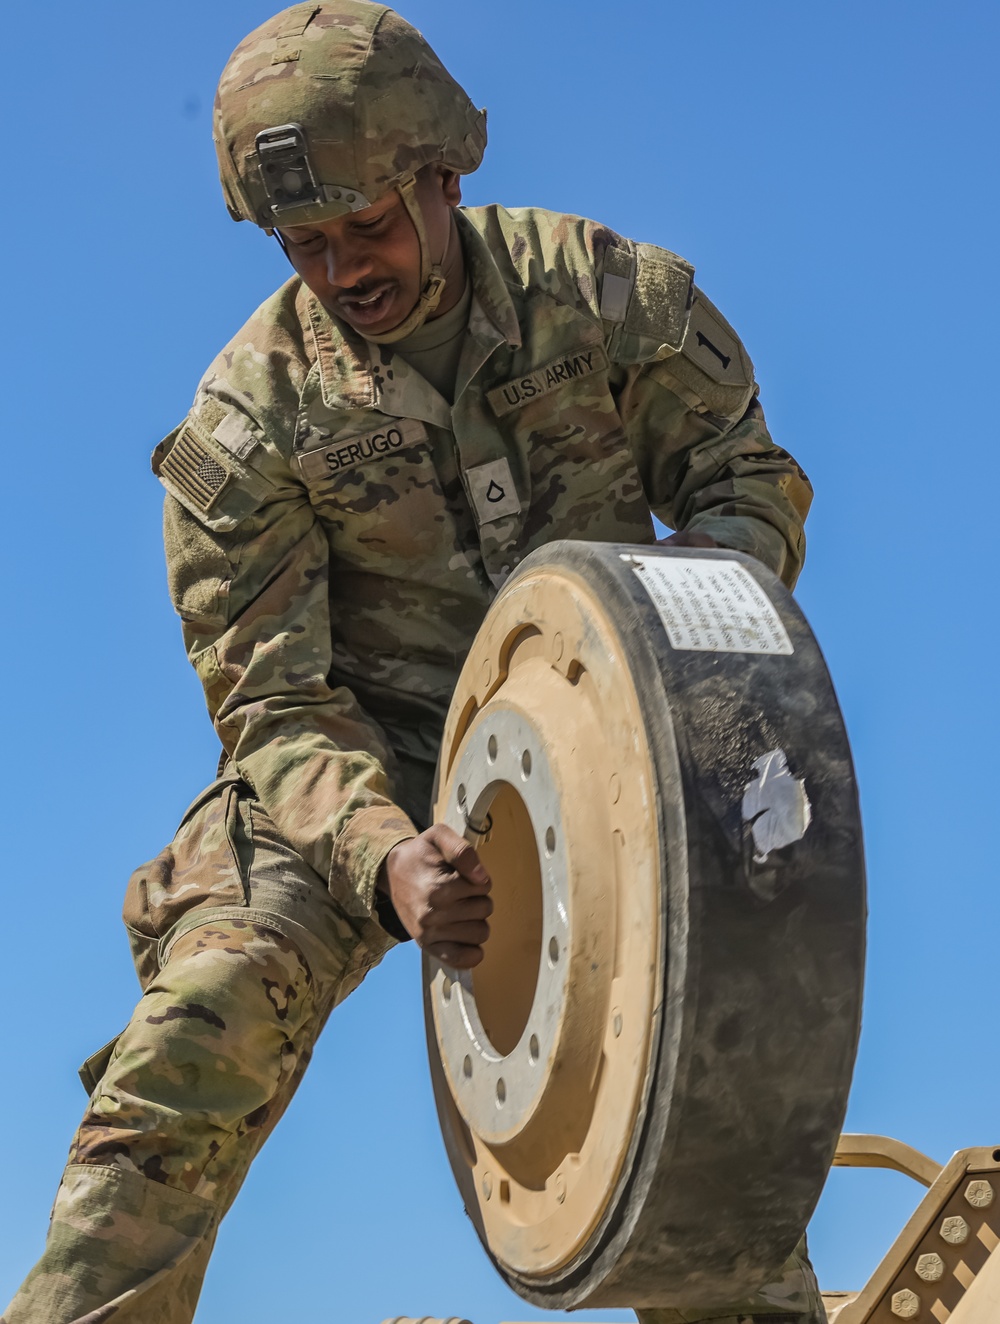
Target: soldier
[434, 393]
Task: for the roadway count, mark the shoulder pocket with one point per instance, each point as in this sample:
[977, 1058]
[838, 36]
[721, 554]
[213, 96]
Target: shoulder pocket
[647, 291]
[208, 472]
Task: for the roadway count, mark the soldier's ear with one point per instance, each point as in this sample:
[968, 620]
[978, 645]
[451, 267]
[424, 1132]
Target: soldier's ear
[451, 186]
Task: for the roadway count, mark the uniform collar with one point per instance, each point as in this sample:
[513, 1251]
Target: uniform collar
[355, 374]
[488, 285]
[345, 368]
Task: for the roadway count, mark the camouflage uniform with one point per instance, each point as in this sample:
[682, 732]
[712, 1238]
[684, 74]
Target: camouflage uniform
[335, 532]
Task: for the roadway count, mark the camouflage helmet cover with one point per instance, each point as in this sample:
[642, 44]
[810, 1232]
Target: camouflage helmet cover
[347, 101]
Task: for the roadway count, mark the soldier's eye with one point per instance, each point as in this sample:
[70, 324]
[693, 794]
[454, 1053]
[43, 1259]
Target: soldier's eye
[370, 226]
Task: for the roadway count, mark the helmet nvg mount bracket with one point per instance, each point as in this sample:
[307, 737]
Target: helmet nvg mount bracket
[325, 108]
[288, 176]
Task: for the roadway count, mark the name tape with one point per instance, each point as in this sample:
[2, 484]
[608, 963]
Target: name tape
[513, 394]
[352, 451]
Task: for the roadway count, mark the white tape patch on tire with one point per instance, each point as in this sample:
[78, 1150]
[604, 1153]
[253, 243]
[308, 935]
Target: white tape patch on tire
[711, 606]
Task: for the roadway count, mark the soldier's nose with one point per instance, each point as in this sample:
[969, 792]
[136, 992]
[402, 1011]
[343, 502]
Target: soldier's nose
[344, 266]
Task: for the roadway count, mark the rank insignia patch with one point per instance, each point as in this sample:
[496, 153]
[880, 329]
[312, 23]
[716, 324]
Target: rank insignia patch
[491, 487]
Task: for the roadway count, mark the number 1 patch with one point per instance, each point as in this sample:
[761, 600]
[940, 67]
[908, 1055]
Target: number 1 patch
[712, 345]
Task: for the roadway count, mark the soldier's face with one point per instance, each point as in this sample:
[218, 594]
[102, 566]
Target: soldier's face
[365, 267]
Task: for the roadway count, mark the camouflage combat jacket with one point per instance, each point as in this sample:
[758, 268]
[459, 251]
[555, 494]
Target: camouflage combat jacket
[335, 529]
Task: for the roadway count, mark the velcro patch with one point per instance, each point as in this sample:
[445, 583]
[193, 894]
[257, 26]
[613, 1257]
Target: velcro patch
[616, 285]
[712, 345]
[491, 487]
[194, 470]
[353, 451]
[567, 368]
[661, 297]
[235, 437]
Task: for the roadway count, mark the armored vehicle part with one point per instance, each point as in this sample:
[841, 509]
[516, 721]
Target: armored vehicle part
[944, 1266]
[641, 1086]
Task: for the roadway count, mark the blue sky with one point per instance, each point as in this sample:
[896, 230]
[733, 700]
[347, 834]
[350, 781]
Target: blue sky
[831, 170]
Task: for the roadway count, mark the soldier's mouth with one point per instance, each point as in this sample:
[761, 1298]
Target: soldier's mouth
[370, 308]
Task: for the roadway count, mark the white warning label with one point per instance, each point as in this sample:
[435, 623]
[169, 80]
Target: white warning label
[711, 606]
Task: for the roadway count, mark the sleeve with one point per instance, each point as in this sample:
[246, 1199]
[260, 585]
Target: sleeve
[248, 570]
[686, 393]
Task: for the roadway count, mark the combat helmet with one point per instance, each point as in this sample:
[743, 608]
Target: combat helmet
[325, 108]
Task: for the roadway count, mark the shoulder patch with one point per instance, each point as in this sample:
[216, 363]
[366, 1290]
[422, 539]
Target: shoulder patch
[209, 473]
[712, 344]
[194, 470]
[712, 374]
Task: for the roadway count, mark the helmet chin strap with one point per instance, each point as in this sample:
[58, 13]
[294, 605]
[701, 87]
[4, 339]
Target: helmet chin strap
[432, 281]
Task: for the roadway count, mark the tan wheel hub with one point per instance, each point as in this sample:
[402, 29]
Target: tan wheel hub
[549, 1101]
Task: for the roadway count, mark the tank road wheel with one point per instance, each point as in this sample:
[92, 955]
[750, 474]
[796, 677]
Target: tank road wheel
[642, 1085]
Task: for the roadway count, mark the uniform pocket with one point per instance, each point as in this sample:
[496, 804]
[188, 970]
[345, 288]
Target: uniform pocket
[92, 1071]
[206, 864]
[382, 505]
[584, 479]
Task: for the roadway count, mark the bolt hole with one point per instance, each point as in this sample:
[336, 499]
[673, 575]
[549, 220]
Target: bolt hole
[553, 951]
[501, 1092]
[446, 989]
[467, 1068]
[491, 749]
[996, 1156]
[461, 794]
[526, 764]
[550, 840]
[616, 1024]
[533, 1051]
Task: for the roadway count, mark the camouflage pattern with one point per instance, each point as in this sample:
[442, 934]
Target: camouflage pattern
[183, 1099]
[374, 100]
[334, 532]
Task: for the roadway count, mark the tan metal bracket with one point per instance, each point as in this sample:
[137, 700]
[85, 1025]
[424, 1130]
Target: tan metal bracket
[944, 1267]
[870, 1151]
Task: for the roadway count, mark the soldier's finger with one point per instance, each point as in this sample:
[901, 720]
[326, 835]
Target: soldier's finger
[477, 905]
[473, 932]
[459, 854]
[457, 955]
[460, 899]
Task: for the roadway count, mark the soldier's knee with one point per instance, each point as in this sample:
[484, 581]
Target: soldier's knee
[240, 962]
[217, 1032]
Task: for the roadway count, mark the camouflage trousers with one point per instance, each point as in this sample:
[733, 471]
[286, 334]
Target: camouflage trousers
[242, 954]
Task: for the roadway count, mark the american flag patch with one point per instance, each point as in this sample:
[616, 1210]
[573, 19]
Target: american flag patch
[192, 469]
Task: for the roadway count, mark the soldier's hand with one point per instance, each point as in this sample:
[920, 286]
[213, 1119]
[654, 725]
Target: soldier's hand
[441, 895]
[688, 538]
